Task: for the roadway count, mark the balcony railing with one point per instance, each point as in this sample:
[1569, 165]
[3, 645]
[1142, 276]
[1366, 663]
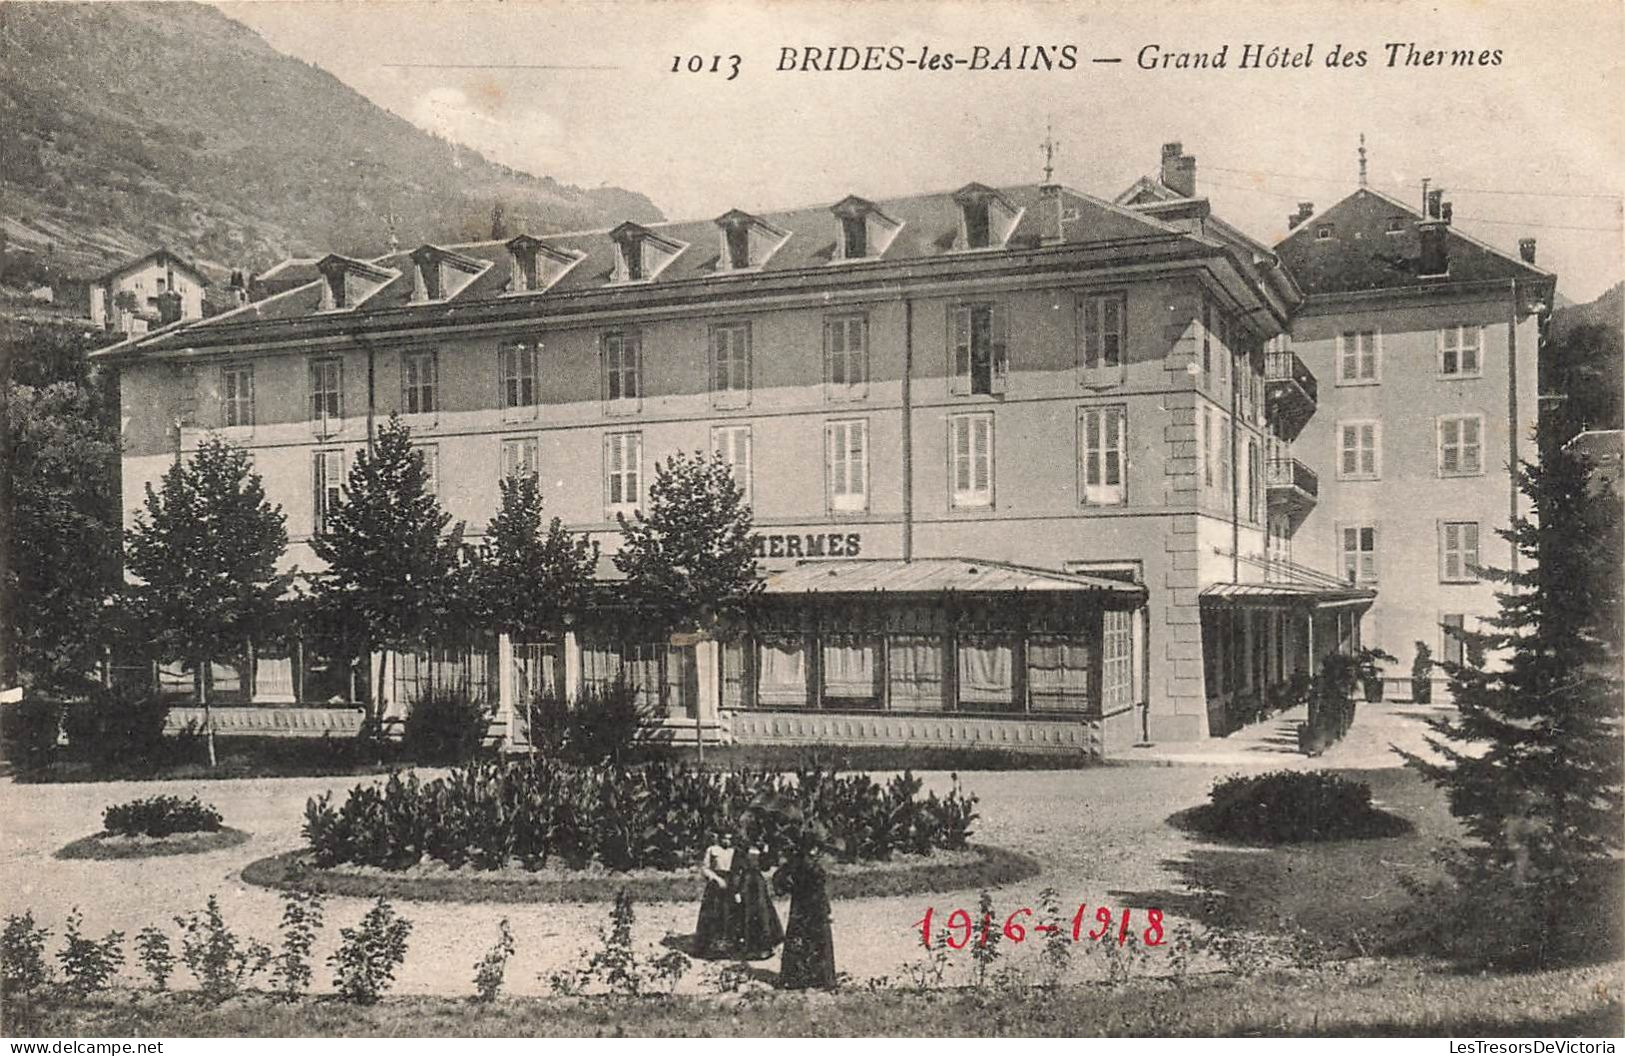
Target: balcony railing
[1292, 389]
[1292, 486]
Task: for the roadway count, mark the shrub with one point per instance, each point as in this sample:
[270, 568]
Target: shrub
[301, 920]
[1289, 806]
[368, 954]
[489, 970]
[121, 725]
[157, 958]
[220, 961]
[1422, 675]
[445, 726]
[609, 724]
[89, 964]
[161, 816]
[22, 956]
[31, 731]
[652, 816]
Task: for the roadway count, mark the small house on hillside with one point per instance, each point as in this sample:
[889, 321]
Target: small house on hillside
[157, 288]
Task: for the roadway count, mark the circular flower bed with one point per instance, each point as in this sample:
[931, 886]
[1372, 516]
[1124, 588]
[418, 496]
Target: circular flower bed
[154, 827]
[971, 869]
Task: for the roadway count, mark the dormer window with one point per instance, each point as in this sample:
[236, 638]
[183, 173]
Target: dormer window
[640, 254]
[1395, 225]
[346, 282]
[1323, 233]
[865, 231]
[438, 274]
[746, 241]
[986, 217]
[854, 237]
[533, 265]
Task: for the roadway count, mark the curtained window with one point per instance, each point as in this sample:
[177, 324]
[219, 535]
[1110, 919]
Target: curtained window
[987, 674]
[1058, 669]
[914, 666]
[782, 672]
[851, 670]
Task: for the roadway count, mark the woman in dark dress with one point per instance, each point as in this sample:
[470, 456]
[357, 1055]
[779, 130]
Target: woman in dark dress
[714, 935]
[756, 922]
[809, 947]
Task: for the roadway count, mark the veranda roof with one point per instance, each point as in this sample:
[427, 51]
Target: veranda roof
[943, 576]
[1287, 594]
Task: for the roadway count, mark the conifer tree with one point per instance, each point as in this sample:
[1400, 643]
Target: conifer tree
[528, 579]
[205, 549]
[691, 559]
[1532, 761]
[392, 567]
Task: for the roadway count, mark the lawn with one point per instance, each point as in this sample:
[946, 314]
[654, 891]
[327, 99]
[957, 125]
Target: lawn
[1358, 999]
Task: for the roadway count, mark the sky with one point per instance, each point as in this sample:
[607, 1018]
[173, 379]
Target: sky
[1531, 143]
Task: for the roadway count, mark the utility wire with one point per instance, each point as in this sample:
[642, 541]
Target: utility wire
[1444, 183]
[1475, 219]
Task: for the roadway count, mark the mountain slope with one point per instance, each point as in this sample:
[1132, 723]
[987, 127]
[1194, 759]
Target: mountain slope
[129, 126]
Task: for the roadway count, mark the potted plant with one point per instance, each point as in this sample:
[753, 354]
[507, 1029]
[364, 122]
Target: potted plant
[1365, 666]
[1422, 675]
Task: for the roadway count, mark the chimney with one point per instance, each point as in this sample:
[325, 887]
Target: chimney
[1305, 211]
[1526, 250]
[1434, 230]
[1178, 170]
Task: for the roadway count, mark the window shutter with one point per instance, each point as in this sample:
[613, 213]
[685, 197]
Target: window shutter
[1091, 333]
[1471, 446]
[982, 447]
[1000, 325]
[959, 348]
[245, 379]
[604, 342]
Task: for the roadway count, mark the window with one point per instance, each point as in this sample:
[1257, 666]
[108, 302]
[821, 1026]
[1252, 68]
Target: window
[1395, 225]
[623, 370]
[1225, 465]
[730, 364]
[326, 389]
[1451, 626]
[1357, 357]
[854, 237]
[237, 395]
[1102, 438]
[1105, 335]
[1207, 342]
[1210, 453]
[431, 468]
[978, 350]
[519, 458]
[1458, 552]
[1461, 450]
[846, 462]
[630, 261]
[846, 357]
[1255, 482]
[738, 238]
[623, 458]
[1459, 351]
[419, 382]
[1358, 454]
[977, 228]
[516, 368]
[732, 444]
[1359, 550]
[1323, 233]
[970, 459]
[327, 479]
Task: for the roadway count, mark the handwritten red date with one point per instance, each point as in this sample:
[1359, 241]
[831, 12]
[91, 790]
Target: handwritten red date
[961, 928]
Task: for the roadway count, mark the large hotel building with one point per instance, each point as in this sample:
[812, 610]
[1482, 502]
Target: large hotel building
[1029, 467]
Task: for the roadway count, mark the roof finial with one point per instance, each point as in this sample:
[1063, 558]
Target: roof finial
[1362, 159]
[1049, 147]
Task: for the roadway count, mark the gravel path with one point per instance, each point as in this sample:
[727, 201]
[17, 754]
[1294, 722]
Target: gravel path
[1099, 832]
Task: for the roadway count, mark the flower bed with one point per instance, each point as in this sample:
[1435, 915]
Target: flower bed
[161, 816]
[624, 817]
[1288, 806]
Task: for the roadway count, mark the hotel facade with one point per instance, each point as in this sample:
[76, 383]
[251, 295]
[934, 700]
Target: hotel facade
[1029, 467]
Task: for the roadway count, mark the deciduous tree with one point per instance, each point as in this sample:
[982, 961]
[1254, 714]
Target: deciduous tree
[204, 549]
